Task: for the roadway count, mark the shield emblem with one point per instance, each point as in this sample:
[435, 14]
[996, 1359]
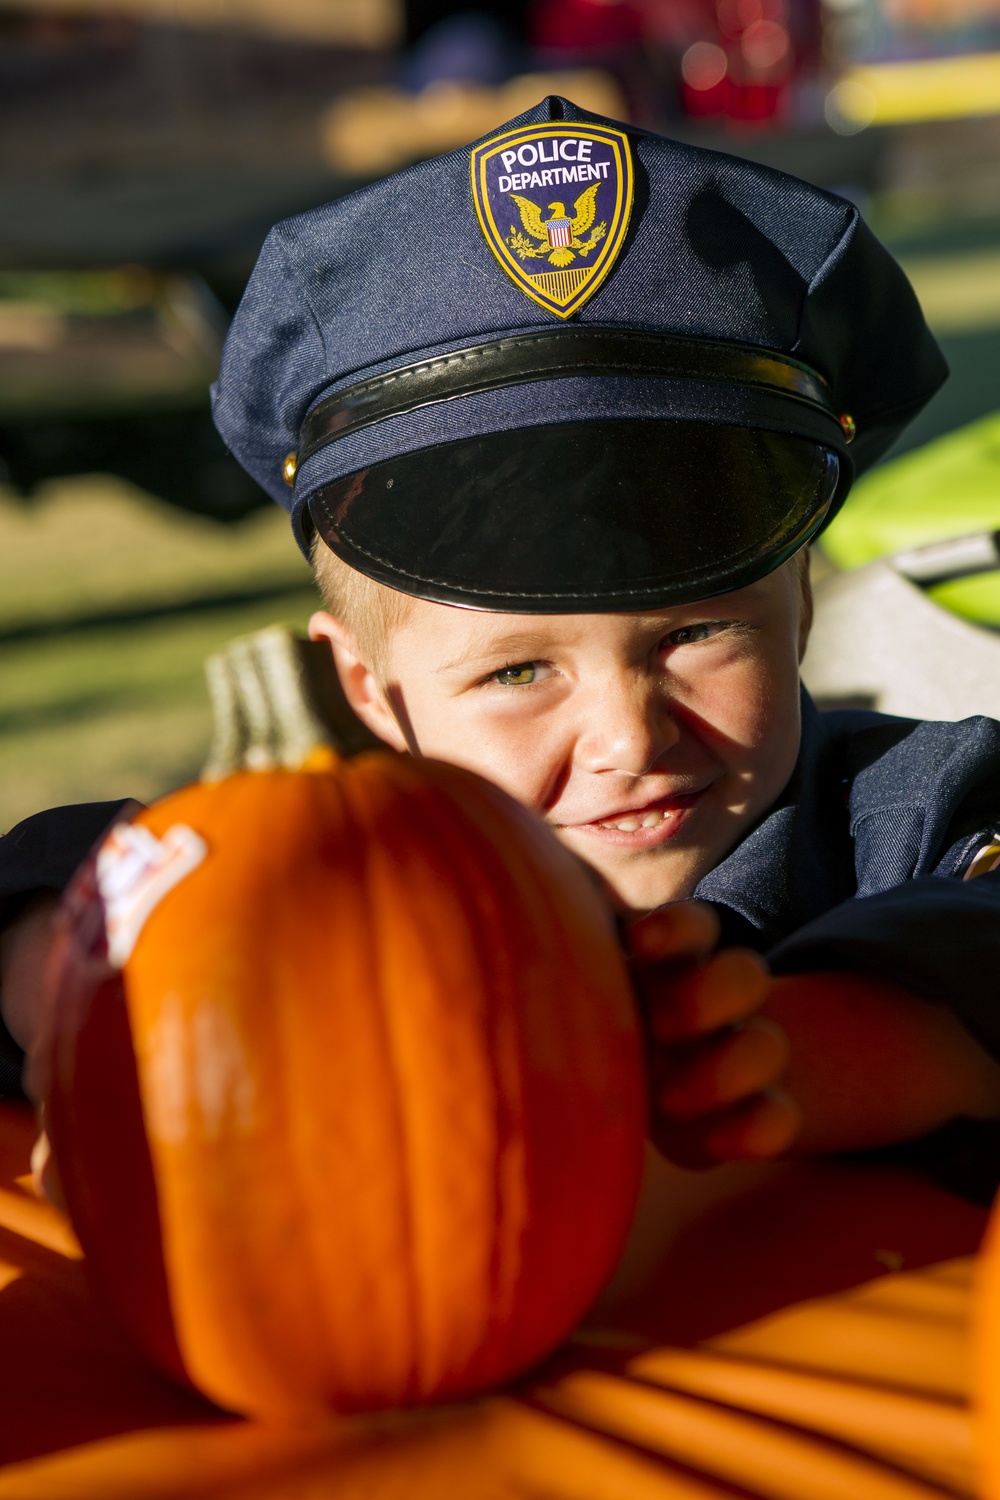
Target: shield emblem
[553, 202]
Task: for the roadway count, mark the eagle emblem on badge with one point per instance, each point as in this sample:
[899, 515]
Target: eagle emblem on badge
[561, 237]
[522, 181]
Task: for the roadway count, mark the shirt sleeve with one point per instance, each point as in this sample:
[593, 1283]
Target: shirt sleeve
[39, 855]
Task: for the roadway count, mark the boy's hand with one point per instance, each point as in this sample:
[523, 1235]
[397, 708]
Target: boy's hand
[735, 1052]
[716, 1063]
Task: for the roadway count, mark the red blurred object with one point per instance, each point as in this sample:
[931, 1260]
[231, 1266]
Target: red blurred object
[586, 25]
[744, 62]
[736, 16]
[738, 59]
[704, 78]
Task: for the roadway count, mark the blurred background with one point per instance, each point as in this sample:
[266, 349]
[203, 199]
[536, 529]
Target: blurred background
[146, 146]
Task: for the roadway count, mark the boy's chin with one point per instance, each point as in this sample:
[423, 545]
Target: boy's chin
[640, 883]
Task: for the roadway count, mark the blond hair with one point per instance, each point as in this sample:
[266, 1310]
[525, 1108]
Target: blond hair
[369, 611]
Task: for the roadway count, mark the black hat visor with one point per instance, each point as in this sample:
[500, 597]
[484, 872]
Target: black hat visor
[583, 516]
[738, 460]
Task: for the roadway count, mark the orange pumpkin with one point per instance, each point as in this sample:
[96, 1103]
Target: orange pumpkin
[353, 1115]
[986, 1359]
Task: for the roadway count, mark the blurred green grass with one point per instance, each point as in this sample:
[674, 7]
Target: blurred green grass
[109, 603]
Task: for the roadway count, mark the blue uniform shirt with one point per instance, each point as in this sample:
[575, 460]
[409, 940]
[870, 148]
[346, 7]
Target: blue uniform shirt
[860, 862]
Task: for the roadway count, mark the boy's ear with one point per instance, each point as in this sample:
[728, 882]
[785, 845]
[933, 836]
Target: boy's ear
[361, 686]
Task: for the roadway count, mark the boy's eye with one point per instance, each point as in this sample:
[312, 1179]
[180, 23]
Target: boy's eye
[519, 675]
[688, 634]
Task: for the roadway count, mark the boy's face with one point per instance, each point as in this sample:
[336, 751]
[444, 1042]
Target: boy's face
[650, 742]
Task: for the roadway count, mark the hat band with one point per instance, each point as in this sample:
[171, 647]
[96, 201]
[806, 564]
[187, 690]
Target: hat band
[544, 356]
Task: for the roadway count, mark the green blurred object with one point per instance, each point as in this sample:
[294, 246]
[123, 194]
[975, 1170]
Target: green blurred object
[947, 489]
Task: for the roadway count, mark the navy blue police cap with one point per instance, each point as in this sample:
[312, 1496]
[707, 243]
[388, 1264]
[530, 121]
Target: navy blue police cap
[574, 367]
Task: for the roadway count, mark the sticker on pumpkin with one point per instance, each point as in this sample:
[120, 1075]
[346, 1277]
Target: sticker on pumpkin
[135, 870]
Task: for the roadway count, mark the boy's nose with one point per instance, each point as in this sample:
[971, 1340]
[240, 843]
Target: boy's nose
[629, 727]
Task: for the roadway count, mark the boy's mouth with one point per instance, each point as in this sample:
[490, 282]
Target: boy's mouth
[642, 827]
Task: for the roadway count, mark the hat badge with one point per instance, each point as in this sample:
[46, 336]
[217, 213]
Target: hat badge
[553, 202]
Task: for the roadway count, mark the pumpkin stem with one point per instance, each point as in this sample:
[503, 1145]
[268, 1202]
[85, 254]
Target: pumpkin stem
[276, 701]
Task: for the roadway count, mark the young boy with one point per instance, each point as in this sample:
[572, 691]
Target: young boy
[556, 438]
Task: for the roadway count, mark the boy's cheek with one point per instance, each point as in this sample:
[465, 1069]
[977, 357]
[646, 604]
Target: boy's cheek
[752, 712]
[522, 764]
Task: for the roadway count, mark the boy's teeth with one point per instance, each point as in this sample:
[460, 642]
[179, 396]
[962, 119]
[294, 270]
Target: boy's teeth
[631, 825]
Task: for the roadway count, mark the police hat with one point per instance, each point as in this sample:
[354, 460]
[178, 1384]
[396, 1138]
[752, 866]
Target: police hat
[575, 367]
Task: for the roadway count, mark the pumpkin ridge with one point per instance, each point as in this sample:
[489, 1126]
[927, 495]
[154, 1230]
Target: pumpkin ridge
[534, 871]
[426, 878]
[472, 1143]
[549, 904]
[520, 877]
[358, 1167]
[504, 1056]
[357, 791]
[238, 1365]
[97, 1127]
[482, 919]
[512, 1187]
[300, 1042]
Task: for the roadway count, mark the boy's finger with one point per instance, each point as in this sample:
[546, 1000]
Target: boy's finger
[727, 988]
[684, 929]
[759, 1128]
[756, 1130]
[737, 1065]
[763, 1127]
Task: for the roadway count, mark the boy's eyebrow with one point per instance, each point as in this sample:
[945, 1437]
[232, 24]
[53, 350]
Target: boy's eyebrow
[524, 645]
[517, 646]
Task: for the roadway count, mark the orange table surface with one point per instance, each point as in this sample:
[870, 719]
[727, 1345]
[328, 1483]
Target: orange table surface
[795, 1332]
